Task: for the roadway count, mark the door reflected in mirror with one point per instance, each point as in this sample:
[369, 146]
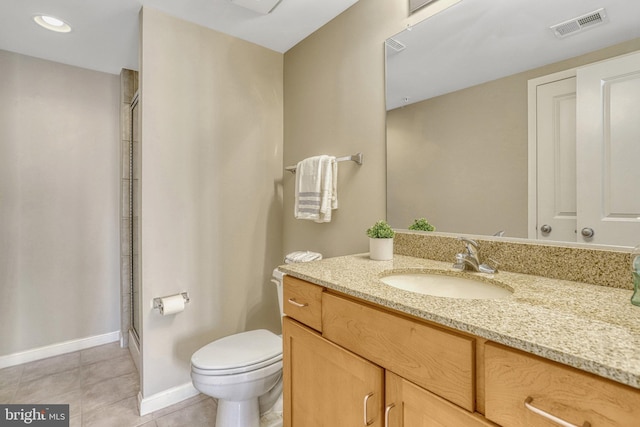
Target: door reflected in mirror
[458, 109]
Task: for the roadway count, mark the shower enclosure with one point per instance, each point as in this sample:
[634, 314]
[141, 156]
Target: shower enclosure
[131, 332]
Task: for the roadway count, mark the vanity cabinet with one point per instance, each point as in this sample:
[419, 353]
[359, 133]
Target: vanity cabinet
[350, 363]
[326, 385]
[360, 363]
[525, 390]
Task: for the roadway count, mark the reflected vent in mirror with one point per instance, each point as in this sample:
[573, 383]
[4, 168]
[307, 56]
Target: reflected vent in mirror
[394, 44]
[580, 23]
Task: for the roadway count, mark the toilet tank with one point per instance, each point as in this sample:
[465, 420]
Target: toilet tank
[277, 278]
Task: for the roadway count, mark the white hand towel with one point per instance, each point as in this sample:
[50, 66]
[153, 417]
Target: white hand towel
[316, 189]
[329, 194]
[308, 188]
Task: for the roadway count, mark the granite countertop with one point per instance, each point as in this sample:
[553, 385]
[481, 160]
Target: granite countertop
[590, 327]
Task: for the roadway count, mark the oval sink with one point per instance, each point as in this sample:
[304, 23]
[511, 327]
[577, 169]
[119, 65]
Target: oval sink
[440, 285]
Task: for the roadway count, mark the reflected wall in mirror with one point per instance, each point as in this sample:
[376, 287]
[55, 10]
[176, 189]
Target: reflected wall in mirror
[457, 119]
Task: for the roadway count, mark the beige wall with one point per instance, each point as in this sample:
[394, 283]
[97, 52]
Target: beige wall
[211, 196]
[460, 160]
[59, 262]
[334, 104]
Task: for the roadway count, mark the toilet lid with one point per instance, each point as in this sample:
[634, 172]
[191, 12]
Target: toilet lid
[241, 350]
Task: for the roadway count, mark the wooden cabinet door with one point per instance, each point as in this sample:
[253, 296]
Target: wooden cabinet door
[408, 405]
[326, 385]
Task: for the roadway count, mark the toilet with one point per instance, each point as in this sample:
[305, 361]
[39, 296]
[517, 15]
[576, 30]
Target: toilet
[238, 370]
[244, 371]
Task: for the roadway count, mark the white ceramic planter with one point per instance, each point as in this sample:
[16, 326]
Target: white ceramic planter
[381, 249]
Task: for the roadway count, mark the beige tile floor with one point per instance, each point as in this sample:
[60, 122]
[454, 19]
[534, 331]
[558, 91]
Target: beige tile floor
[101, 386]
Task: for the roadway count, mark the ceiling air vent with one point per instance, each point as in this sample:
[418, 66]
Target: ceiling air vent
[580, 23]
[395, 44]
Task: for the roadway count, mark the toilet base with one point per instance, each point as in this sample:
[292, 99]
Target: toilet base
[271, 419]
[245, 413]
[273, 416]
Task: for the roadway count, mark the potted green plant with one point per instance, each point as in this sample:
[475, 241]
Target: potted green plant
[421, 225]
[381, 241]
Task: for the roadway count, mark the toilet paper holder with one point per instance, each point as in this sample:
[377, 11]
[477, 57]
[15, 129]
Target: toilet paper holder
[157, 302]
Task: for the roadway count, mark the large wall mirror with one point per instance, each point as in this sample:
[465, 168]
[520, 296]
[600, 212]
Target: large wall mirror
[458, 110]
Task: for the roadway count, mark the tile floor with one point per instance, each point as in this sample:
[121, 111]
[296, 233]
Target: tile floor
[101, 386]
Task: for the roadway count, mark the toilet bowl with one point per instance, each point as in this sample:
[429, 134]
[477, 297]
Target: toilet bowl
[238, 370]
[244, 371]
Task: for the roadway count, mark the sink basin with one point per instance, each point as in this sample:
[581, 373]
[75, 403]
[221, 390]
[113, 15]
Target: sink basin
[441, 285]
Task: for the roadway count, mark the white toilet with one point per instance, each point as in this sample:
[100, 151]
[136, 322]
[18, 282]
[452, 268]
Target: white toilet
[243, 371]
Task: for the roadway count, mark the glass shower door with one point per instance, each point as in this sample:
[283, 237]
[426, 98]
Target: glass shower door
[134, 206]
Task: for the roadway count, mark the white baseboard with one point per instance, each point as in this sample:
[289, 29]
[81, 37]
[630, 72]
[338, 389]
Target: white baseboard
[57, 349]
[165, 398]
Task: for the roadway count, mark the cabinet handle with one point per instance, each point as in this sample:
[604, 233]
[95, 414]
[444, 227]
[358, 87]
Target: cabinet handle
[386, 414]
[366, 399]
[296, 303]
[560, 421]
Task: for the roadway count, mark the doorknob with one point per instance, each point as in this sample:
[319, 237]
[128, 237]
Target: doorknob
[588, 232]
[545, 229]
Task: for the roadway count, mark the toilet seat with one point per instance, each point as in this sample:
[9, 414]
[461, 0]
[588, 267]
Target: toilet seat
[239, 353]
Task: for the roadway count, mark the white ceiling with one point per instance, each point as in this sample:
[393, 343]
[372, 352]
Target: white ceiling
[476, 41]
[104, 33]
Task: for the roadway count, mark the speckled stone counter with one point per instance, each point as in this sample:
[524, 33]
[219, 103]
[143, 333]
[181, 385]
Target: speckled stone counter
[590, 327]
[599, 265]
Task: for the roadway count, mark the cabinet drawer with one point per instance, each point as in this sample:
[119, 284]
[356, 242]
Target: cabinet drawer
[437, 360]
[303, 302]
[567, 393]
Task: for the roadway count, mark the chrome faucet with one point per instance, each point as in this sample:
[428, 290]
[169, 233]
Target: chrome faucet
[470, 258]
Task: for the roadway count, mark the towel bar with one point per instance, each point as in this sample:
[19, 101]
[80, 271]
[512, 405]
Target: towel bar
[353, 158]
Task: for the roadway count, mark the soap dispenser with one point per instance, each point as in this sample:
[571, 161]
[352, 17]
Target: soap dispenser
[635, 270]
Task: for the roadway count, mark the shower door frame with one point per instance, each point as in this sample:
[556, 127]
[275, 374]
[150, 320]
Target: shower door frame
[134, 204]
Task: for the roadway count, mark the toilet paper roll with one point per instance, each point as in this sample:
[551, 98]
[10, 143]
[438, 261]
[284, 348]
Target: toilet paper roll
[171, 305]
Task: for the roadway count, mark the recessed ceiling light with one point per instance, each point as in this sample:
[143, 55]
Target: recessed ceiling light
[52, 23]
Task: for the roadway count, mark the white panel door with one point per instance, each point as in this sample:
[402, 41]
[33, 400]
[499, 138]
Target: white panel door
[556, 160]
[608, 151]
